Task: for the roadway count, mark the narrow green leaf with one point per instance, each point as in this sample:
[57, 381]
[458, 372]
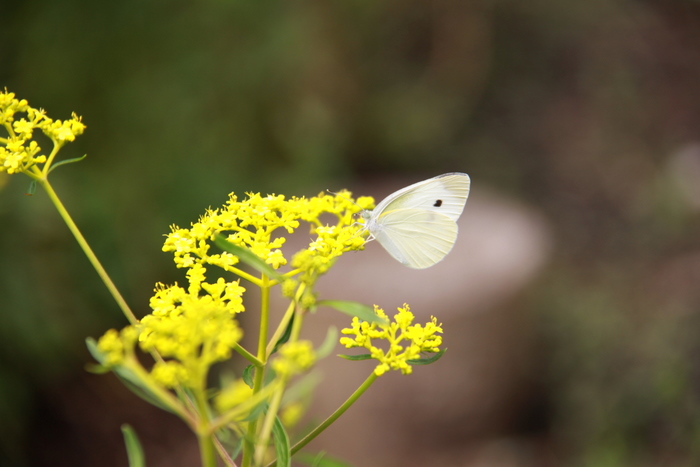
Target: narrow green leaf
[134, 385]
[329, 343]
[133, 447]
[67, 161]
[129, 378]
[282, 447]
[248, 374]
[427, 361]
[364, 312]
[94, 351]
[302, 388]
[365, 356]
[256, 412]
[248, 257]
[32, 188]
[237, 448]
[285, 336]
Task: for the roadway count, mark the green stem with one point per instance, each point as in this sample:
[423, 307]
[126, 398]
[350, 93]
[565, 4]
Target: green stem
[87, 250]
[205, 436]
[334, 416]
[266, 431]
[207, 450]
[249, 277]
[223, 454]
[247, 355]
[273, 409]
[249, 442]
[264, 318]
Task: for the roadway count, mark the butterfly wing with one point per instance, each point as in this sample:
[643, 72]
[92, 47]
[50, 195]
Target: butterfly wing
[445, 194]
[417, 238]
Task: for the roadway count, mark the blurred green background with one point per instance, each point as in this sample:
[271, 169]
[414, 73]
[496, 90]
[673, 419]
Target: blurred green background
[588, 112]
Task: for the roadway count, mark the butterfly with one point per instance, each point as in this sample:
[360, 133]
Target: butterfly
[417, 225]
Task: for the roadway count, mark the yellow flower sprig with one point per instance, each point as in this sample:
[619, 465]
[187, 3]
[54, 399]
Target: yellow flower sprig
[405, 341]
[254, 223]
[19, 152]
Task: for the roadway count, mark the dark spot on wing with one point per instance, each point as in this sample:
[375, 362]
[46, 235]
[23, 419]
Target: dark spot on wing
[438, 203]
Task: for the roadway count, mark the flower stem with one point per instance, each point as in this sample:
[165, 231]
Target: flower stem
[205, 437]
[87, 250]
[266, 430]
[207, 450]
[333, 417]
[247, 355]
[248, 443]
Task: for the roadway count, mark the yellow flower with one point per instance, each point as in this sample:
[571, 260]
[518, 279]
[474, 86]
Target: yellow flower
[405, 341]
[196, 329]
[18, 152]
[117, 346]
[255, 224]
[294, 358]
[292, 414]
[233, 395]
[169, 373]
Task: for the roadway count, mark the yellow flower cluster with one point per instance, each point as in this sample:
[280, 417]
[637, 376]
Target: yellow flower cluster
[405, 341]
[294, 358]
[255, 224]
[195, 329]
[233, 395]
[192, 329]
[19, 152]
[117, 346]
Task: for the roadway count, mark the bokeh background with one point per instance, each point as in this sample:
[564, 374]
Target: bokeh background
[571, 302]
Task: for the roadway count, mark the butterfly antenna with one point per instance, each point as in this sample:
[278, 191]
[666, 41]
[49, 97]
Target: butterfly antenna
[343, 196]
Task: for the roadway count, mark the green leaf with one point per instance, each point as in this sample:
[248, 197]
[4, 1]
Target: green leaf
[365, 356]
[282, 448]
[319, 460]
[133, 447]
[135, 385]
[364, 312]
[97, 355]
[94, 351]
[302, 388]
[67, 161]
[285, 336]
[248, 374]
[256, 412]
[248, 257]
[237, 448]
[128, 377]
[32, 188]
[329, 343]
[427, 361]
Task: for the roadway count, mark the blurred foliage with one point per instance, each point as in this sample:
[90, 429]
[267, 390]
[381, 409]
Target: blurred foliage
[586, 110]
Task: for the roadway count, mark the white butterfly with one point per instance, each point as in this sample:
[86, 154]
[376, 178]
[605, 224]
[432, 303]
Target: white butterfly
[417, 225]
